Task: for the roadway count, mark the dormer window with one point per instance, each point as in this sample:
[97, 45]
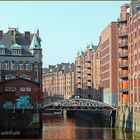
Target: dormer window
[16, 49]
[2, 50]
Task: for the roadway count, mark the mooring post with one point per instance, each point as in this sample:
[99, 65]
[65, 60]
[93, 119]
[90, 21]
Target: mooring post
[65, 113]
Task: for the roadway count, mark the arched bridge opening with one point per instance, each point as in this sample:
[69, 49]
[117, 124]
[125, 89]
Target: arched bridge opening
[70, 107]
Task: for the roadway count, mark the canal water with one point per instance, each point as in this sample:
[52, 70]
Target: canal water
[80, 127]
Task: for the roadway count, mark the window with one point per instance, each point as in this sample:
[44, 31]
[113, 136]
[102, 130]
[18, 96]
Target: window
[27, 66]
[16, 67]
[25, 76]
[0, 66]
[13, 89]
[28, 89]
[21, 67]
[25, 89]
[10, 76]
[36, 75]
[12, 33]
[16, 52]
[22, 89]
[13, 66]
[10, 89]
[7, 89]
[6, 66]
[2, 51]
[36, 65]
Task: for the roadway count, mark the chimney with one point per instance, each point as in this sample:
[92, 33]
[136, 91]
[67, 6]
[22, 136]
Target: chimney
[13, 32]
[27, 35]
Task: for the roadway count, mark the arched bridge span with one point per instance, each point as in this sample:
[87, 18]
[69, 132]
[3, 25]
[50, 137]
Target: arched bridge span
[77, 104]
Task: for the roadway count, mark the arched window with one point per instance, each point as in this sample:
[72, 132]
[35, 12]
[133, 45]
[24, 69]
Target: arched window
[21, 65]
[25, 76]
[6, 65]
[13, 65]
[10, 76]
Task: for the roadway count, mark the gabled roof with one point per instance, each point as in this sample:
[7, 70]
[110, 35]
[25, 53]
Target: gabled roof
[35, 44]
[13, 39]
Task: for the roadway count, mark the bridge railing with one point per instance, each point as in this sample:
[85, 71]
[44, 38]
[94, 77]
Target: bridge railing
[77, 104]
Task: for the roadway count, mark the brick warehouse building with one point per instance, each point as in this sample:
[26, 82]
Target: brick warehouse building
[86, 67]
[108, 63]
[59, 81]
[20, 69]
[129, 108]
[123, 57]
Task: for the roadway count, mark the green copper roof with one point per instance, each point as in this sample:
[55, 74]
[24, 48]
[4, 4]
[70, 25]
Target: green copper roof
[35, 43]
[16, 46]
[2, 47]
[83, 53]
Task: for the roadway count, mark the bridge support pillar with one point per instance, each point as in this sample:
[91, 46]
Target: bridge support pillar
[65, 113]
[113, 118]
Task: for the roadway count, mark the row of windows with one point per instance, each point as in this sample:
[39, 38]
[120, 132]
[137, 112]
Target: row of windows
[25, 89]
[14, 52]
[22, 89]
[14, 66]
[10, 89]
[10, 76]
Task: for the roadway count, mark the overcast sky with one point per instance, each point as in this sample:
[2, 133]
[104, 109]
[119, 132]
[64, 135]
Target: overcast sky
[65, 27]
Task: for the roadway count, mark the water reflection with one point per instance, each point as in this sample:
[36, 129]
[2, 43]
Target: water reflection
[58, 128]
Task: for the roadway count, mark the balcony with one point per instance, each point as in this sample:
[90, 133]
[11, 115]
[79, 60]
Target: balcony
[89, 83]
[123, 76]
[88, 65]
[88, 60]
[79, 77]
[122, 65]
[123, 44]
[120, 20]
[79, 66]
[123, 34]
[123, 90]
[123, 55]
[88, 71]
[79, 72]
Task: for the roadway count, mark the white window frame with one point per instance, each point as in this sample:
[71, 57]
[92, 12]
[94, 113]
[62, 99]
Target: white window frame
[7, 89]
[16, 51]
[21, 66]
[25, 76]
[28, 89]
[27, 67]
[13, 89]
[13, 66]
[22, 89]
[10, 76]
[2, 51]
[6, 66]
[10, 89]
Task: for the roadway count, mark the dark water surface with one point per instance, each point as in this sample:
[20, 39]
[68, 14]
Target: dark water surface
[57, 127]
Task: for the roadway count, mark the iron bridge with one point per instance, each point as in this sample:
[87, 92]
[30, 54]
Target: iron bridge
[77, 104]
